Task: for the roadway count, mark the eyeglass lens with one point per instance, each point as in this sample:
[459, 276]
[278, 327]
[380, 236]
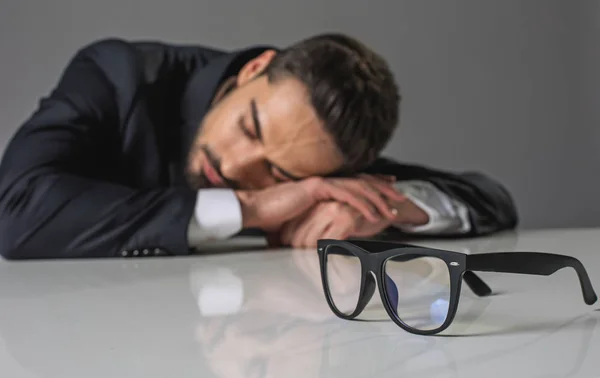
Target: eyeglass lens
[417, 287]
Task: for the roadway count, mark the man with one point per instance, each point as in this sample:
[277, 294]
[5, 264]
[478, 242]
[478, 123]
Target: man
[153, 149]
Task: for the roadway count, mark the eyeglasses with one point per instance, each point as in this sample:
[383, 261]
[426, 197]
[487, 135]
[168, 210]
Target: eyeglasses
[419, 286]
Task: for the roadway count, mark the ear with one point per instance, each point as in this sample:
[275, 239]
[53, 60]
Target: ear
[255, 67]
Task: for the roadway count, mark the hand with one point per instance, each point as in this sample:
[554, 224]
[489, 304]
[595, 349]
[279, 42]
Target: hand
[329, 220]
[270, 208]
[333, 220]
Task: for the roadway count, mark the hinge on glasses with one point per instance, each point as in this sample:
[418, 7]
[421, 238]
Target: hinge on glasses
[454, 263]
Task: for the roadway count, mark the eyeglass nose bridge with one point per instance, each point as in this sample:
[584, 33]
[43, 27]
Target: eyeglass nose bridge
[368, 289]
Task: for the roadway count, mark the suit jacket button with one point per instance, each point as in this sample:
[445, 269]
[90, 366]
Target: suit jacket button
[157, 251]
[136, 252]
[146, 252]
[124, 253]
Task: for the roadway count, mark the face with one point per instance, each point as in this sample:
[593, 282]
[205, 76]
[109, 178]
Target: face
[259, 134]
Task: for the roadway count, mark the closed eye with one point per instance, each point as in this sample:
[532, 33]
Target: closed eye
[275, 173]
[283, 175]
[244, 129]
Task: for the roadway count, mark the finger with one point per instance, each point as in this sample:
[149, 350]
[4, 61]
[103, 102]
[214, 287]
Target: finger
[340, 194]
[300, 233]
[292, 226]
[356, 198]
[386, 178]
[386, 188]
[374, 196]
[335, 231]
[315, 232]
[392, 194]
[342, 226]
[304, 225]
[287, 231]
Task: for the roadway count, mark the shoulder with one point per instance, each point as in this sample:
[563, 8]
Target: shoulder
[118, 52]
[107, 63]
[108, 52]
[125, 65]
[114, 58]
[122, 61]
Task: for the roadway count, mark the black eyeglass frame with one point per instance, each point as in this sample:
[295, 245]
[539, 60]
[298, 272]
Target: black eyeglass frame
[373, 254]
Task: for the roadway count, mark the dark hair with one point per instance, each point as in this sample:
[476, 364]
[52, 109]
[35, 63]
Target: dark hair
[351, 88]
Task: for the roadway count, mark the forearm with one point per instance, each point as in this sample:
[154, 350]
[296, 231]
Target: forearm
[218, 214]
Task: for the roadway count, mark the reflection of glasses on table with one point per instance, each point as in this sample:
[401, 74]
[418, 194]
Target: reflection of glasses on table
[419, 286]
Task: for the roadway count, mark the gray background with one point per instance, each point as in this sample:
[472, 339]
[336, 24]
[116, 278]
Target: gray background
[507, 87]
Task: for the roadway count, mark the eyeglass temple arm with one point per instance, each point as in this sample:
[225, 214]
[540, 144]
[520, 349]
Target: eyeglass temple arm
[535, 263]
[476, 284]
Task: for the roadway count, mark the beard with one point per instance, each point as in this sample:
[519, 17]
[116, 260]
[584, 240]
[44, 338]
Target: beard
[198, 180]
[195, 179]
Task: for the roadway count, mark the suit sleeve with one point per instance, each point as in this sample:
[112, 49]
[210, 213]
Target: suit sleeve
[490, 206]
[55, 201]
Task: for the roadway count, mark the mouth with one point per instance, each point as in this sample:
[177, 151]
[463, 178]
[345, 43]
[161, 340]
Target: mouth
[211, 174]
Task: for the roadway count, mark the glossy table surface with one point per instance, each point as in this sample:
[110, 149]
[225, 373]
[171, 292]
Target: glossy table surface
[262, 313]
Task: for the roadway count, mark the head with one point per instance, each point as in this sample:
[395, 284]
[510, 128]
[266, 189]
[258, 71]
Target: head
[326, 105]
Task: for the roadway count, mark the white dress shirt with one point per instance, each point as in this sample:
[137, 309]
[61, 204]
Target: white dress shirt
[218, 214]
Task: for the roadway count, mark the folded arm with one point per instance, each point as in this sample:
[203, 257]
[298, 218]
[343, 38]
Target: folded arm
[218, 215]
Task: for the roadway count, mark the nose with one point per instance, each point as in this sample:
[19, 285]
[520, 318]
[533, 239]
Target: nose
[247, 167]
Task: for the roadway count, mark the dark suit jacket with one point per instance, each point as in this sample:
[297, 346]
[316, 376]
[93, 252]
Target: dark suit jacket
[97, 169]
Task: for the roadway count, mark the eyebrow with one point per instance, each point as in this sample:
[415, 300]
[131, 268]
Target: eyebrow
[257, 125]
[258, 131]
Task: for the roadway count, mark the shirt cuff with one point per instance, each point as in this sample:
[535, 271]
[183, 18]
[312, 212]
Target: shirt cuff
[446, 215]
[218, 216]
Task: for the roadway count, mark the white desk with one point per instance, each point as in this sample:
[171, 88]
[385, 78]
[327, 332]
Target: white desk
[167, 317]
